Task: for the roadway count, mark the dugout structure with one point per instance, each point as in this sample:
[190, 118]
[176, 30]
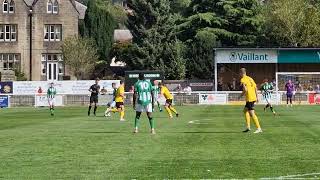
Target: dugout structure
[262, 63]
[131, 77]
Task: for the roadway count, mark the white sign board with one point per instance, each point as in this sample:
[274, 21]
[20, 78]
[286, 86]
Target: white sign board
[42, 101]
[246, 56]
[63, 87]
[210, 99]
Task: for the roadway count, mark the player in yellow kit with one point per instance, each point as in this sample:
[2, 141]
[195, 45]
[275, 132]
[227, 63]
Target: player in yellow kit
[249, 89]
[169, 99]
[119, 99]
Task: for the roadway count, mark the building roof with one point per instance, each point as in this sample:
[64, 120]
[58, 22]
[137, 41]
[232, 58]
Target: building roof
[81, 9]
[122, 35]
[78, 6]
[30, 2]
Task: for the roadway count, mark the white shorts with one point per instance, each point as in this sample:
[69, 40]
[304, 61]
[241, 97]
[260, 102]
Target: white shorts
[51, 101]
[268, 100]
[141, 108]
[112, 104]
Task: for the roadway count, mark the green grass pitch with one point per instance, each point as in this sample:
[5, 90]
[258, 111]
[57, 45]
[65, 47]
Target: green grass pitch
[71, 145]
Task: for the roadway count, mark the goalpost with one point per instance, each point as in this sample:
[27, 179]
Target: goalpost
[305, 85]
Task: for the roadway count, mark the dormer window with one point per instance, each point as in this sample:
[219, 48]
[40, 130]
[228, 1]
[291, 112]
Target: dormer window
[5, 6]
[11, 6]
[55, 8]
[52, 7]
[8, 6]
[49, 7]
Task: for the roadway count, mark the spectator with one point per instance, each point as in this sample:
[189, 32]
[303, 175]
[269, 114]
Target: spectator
[219, 88]
[103, 91]
[40, 91]
[317, 89]
[229, 86]
[234, 84]
[179, 88]
[300, 88]
[187, 90]
[131, 89]
[310, 88]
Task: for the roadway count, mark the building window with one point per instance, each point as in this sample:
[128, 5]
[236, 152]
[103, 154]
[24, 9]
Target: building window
[8, 32]
[8, 6]
[10, 61]
[11, 6]
[49, 7]
[55, 6]
[52, 7]
[52, 32]
[5, 6]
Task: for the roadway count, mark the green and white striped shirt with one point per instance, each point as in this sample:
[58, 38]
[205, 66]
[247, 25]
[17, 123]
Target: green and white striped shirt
[266, 89]
[51, 93]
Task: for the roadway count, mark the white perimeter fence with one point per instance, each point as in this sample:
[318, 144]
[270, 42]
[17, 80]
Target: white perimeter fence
[193, 98]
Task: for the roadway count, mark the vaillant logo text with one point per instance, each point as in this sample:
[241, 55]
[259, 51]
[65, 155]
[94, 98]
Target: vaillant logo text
[249, 56]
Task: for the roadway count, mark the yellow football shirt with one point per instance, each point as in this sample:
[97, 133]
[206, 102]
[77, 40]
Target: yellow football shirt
[166, 93]
[251, 86]
[120, 91]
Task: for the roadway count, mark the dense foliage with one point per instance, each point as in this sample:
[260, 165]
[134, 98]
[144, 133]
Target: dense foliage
[179, 36]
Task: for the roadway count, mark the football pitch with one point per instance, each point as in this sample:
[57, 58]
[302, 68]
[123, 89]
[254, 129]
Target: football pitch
[206, 142]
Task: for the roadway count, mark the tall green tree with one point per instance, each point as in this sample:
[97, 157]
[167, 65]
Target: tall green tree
[99, 25]
[155, 46]
[292, 23]
[217, 23]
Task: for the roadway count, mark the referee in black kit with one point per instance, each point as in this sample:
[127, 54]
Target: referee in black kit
[94, 89]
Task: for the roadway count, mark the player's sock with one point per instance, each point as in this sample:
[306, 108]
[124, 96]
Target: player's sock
[160, 109]
[256, 121]
[122, 115]
[247, 117]
[89, 109]
[173, 109]
[95, 110]
[272, 110]
[151, 122]
[136, 122]
[168, 111]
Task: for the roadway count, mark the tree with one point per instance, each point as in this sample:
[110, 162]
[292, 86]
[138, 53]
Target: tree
[80, 56]
[289, 23]
[155, 46]
[99, 25]
[217, 23]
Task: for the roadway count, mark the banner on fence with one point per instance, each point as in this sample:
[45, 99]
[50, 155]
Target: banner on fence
[63, 87]
[212, 99]
[314, 98]
[6, 87]
[275, 99]
[42, 101]
[4, 101]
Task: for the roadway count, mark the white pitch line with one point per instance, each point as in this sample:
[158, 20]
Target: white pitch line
[294, 176]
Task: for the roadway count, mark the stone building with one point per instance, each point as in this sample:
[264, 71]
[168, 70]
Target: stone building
[31, 35]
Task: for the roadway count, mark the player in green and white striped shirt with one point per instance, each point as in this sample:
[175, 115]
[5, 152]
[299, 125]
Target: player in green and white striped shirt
[156, 93]
[144, 98]
[51, 94]
[266, 90]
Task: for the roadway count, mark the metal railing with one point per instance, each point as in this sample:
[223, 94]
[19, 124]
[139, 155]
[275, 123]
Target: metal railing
[191, 98]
